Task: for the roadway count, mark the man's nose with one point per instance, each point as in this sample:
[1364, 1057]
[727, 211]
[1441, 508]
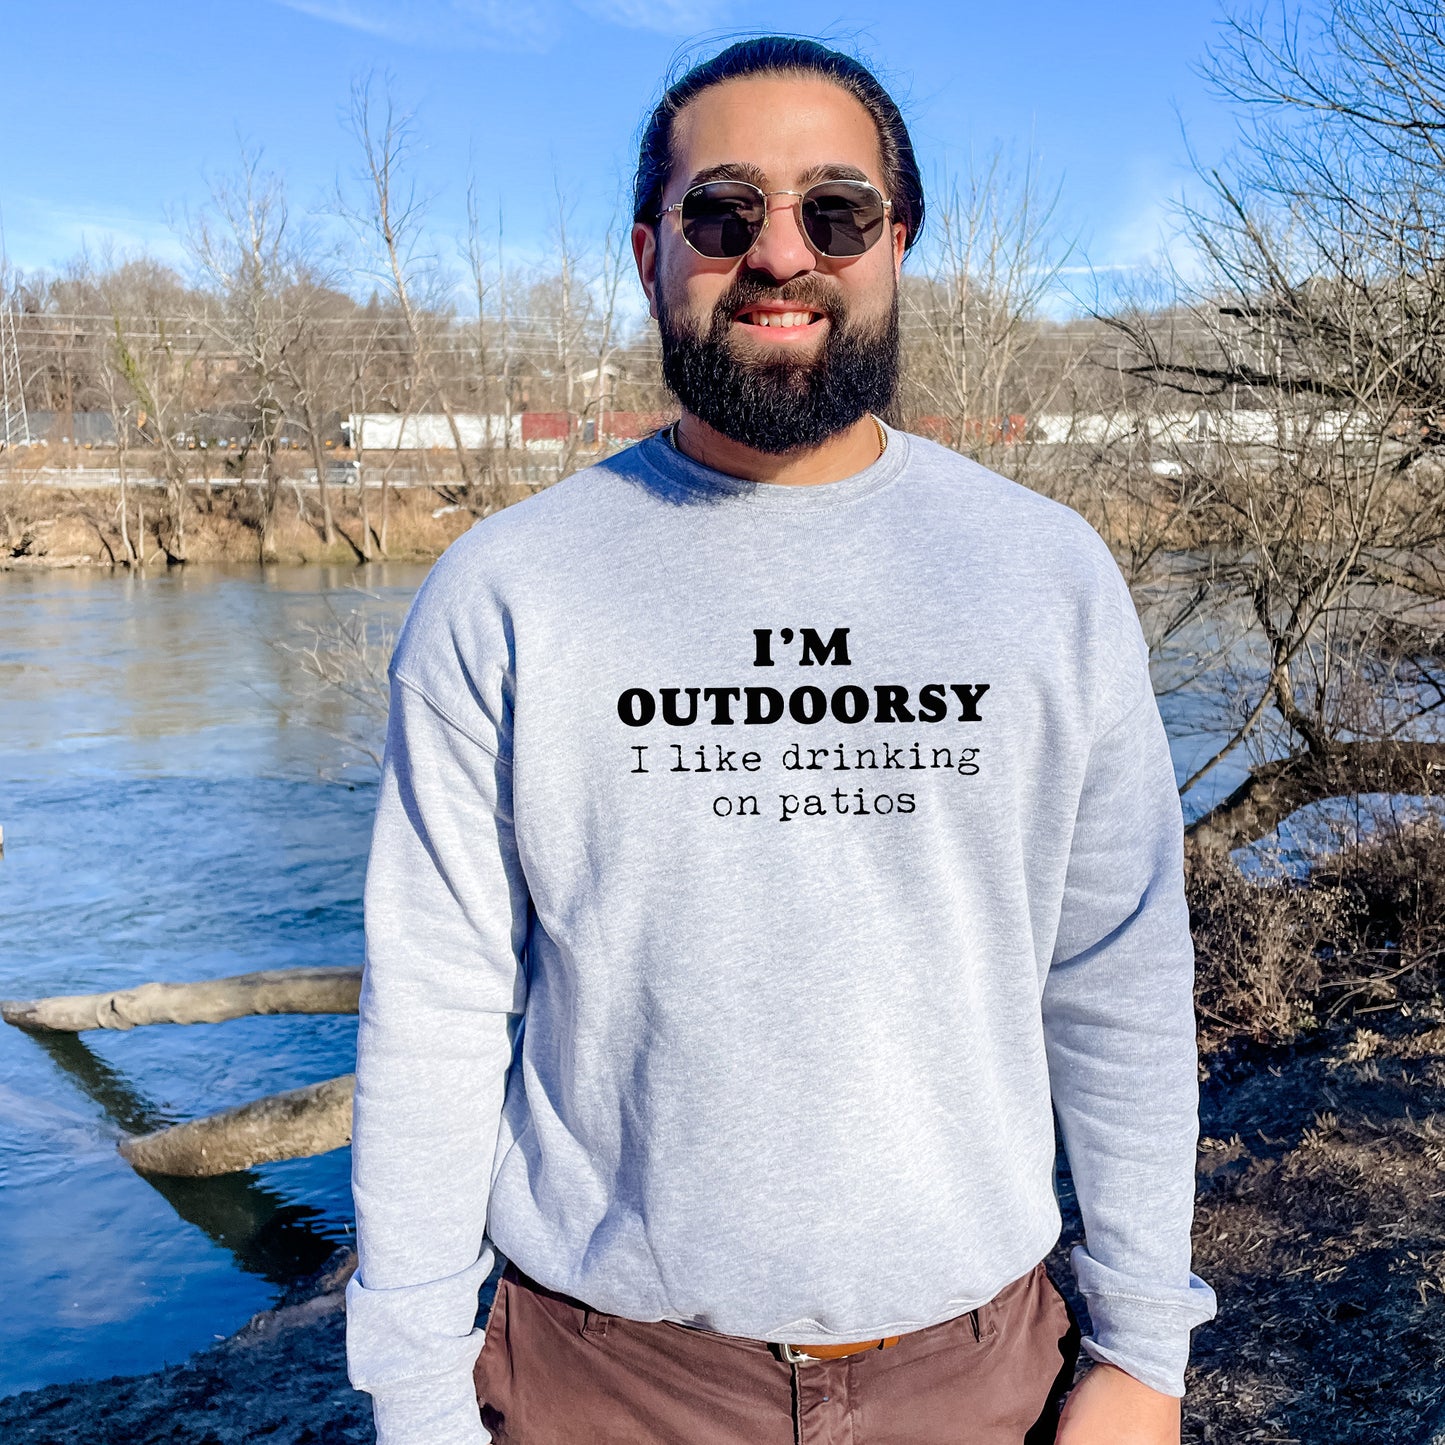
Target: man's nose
[781, 251]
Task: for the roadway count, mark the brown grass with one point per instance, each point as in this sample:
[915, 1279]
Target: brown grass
[1320, 1219]
[1278, 958]
[43, 525]
[1321, 1225]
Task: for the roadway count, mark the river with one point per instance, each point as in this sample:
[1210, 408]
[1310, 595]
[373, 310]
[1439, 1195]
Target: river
[169, 811]
[175, 805]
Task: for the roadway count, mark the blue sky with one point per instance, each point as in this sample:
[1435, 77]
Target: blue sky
[115, 114]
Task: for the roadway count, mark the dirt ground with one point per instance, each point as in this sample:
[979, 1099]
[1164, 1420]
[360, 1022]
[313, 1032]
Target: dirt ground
[1320, 1224]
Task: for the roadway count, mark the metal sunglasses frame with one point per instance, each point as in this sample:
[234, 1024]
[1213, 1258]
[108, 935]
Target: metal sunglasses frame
[767, 211]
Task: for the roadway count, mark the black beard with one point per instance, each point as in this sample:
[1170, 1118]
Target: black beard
[784, 405]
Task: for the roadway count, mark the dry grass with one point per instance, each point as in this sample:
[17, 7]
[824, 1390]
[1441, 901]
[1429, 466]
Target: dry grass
[1364, 930]
[1321, 1208]
[1321, 1225]
[42, 525]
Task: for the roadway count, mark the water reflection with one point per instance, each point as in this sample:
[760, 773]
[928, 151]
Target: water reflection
[265, 1235]
[177, 672]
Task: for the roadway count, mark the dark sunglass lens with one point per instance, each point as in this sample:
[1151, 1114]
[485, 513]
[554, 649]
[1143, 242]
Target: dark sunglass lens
[842, 219]
[722, 218]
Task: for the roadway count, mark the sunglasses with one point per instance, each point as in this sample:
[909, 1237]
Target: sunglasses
[723, 219]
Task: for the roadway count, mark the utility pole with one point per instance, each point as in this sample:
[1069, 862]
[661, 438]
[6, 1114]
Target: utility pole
[14, 422]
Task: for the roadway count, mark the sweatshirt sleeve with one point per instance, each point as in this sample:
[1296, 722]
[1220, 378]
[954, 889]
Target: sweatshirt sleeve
[1119, 1027]
[446, 916]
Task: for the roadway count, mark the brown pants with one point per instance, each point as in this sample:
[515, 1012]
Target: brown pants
[553, 1372]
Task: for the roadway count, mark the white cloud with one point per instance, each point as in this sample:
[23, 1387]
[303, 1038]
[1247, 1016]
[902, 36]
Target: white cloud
[523, 25]
[41, 235]
[351, 16]
[501, 24]
[1138, 255]
[671, 17]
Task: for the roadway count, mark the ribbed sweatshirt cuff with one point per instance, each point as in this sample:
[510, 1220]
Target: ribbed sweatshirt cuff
[1146, 1335]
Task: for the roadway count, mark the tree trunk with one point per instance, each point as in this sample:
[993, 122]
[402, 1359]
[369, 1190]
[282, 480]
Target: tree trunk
[270, 491]
[176, 490]
[300, 1122]
[272, 991]
[174, 465]
[318, 455]
[1275, 790]
[367, 546]
[124, 506]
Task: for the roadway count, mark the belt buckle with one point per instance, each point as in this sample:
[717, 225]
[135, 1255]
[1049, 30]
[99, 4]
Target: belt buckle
[797, 1357]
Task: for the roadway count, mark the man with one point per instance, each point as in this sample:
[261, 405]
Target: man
[776, 829]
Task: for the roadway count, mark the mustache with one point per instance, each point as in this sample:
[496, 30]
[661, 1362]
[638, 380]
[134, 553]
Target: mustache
[750, 287]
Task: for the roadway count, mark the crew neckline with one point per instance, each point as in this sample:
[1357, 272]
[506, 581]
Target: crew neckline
[675, 466]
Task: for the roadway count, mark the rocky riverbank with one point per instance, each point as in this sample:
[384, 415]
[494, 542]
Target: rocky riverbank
[281, 1378]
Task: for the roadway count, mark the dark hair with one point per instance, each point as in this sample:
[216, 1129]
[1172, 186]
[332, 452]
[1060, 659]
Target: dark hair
[782, 55]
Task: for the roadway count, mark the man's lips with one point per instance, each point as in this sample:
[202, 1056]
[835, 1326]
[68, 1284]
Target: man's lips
[779, 318]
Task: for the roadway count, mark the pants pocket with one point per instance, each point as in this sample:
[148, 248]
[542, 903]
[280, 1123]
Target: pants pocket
[1045, 1428]
[491, 1375]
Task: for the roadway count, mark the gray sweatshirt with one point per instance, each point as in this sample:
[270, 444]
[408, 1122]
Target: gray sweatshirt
[756, 870]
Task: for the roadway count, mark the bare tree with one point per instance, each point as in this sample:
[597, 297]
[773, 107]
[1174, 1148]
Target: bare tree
[121, 403]
[493, 356]
[274, 301]
[360, 354]
[347, 658]
[319, 371]
[1314, 362]
[309, 363]
[151, 353]
[391, 218]
[972, 315]
[241, 246]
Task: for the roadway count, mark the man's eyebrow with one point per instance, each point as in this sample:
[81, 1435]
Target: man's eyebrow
[730, 171]
[832, 171]
[746, 171]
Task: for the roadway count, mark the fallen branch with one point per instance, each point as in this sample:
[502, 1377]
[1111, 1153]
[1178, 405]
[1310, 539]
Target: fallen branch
[272, 991]
[1275, 790]
[298, 1123]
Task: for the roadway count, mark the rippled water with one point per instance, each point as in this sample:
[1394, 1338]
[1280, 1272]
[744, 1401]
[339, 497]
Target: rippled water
[167, 814]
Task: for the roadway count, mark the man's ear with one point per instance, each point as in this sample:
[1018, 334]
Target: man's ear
[644, 252]
[900, 245]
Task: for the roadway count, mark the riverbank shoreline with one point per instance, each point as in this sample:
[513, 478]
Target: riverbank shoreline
[280, 1378]
[45, 527]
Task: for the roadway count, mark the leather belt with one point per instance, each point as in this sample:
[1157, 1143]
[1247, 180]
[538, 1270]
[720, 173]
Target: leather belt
[793, 1354]
[814, 1354]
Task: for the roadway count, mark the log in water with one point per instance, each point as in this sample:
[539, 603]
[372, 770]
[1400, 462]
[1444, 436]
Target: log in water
[322, 990]
[300, 1122]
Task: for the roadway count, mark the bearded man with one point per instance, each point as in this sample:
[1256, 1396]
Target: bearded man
[776, 832]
